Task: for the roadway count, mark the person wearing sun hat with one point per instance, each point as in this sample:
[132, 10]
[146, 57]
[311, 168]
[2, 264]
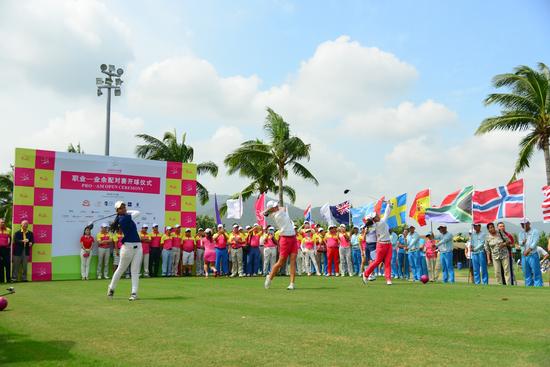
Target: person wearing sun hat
[445, 247]
[199, 261]
[237, 239]
[270, 250]
[145, 246]
[287, 242]
[528, 240]
[188, 244]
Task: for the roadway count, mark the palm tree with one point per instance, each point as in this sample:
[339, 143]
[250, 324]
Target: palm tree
[169, 149]
[6, 197]
[525, 108]
[75, 149]
[267, 164]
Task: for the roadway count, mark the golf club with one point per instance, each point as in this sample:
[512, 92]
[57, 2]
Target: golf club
[91, 224]
[10, 290]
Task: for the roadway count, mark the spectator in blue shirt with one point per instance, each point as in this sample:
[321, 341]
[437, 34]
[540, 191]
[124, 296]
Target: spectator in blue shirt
[528, 243]
[445, 246]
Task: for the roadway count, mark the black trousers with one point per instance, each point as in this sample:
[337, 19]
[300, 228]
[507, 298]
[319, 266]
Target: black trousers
[154, 261]
[5, 265]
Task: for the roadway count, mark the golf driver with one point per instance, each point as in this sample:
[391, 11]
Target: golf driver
[91, 224]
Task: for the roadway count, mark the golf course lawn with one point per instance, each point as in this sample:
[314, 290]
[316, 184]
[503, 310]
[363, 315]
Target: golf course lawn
[236, 322]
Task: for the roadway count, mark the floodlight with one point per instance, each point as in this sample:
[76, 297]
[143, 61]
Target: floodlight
[108, 81]
[103, 67]
[119, 71]
[99, 92]
[118, 81]
[111, 68]
[117, 92]
[99, 81]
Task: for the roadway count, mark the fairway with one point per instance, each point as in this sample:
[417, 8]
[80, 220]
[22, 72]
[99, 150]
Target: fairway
[235, 322]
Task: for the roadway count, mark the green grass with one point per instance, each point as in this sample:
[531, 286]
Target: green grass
[235, 322]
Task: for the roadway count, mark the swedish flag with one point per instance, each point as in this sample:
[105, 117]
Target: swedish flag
[398, 211]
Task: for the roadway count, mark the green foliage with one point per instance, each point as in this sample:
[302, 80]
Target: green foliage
[75, 149]
[6, 197]
[267, 164]
[543, 240]
[169, 149]
[525, 108]
[205, 221]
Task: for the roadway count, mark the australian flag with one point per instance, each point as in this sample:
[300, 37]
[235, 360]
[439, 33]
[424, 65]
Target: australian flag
[340, 212]
[501, 202]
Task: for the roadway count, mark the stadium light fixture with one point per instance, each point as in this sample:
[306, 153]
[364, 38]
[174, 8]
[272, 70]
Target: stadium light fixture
[107, 83]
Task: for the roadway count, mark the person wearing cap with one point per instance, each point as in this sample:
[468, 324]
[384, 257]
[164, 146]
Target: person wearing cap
[321, 253]
[383, 246]
[5, 252]
[104, 241]
[332, 240]
[497, 244]
[288, 244]
[155, 251]
[222, 260]
[23, 240]
[431, 257]
[370, 251]
[131, 253]
[188, 245]
[253, 262]
[403, 268]
[445, 247]
[528, 242]
[393, 238]
[166, 243]
[511, 251]
[209, 252]
[86, 244]
[237, 239]
[246, 248]
[478, 255]
[345, 251]
[270, 250]
[145, 249]
[199, 262]
[176, 250]
[308, 249]
[355, 250]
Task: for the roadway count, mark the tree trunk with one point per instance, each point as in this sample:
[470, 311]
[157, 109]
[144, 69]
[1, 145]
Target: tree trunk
[546, 151]
[281, 173]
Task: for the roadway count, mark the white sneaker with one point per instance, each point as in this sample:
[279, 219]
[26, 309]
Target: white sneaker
[267, 283]
[318, 274]
[290, 287]
[350, 274]
[133, 297]
[106, 277]
[99, 277]
[372, 277]
[388, 282]
[365, 279]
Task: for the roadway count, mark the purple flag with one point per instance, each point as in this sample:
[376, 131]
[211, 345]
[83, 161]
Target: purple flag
[218, 218]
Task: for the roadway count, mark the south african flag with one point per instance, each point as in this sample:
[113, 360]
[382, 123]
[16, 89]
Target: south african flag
[455, 208]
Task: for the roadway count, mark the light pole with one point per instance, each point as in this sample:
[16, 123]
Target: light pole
[108, 83]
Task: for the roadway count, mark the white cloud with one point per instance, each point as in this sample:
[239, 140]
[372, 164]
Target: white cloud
[59, 44]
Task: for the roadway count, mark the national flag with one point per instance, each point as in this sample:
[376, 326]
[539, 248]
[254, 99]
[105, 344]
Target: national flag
[501, 202]
[235, 208]
[418, 207]
[325, 213]
[307, 213]
[358, 214]
[340, 212]
[455, 208]
[259, 207]
[398, 211]
[546, 204]
[217, 210]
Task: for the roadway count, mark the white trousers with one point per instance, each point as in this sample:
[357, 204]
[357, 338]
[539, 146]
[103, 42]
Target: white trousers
[345, 260]
[270, 258]
[131, 255]
[84, 264]
[300, 262]
[176, 256]
[200, 262]
[237, 261]
[103, 261]
[145, 263]
[309, 256]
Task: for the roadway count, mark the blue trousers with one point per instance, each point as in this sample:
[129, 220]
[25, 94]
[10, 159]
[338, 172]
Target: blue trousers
[222, 261]
[413, 260]
[479, 265]
[324, 261]
[531, 270]
[447, 267]
[253, 262]
[402, 265]
[356, 260]
[423, 264]
[166, 262]
[394, 262]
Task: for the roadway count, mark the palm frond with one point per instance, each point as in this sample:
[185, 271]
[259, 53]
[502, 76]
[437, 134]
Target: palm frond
[207, 167]
[202, 193]
[303, 172]
[527, 147]
[506, 122]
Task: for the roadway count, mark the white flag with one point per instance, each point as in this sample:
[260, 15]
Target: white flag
[325, 213]
[235, 208]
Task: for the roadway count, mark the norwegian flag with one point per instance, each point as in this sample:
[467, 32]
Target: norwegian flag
[501, 202]
[546, 204]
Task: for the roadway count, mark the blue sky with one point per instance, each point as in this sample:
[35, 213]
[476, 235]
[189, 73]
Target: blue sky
[389, 93]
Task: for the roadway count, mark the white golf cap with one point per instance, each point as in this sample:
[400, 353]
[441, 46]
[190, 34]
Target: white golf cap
[271, 229]
[208, 230]
[442, 226]
[524, 221]
[155, 225]
[104, 225]
[342, 225]
[256, 225]
[187, 229]
[241, 228]
[306, 221]
[119, 203]
[220, 225]
[177, 226]
[168, 228]
[235, 226]
[248, 227]
[320, 229]
[271, 204]
[144, 225]
[201, 229]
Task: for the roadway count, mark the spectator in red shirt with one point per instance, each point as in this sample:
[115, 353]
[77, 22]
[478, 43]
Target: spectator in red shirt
[86, 244]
